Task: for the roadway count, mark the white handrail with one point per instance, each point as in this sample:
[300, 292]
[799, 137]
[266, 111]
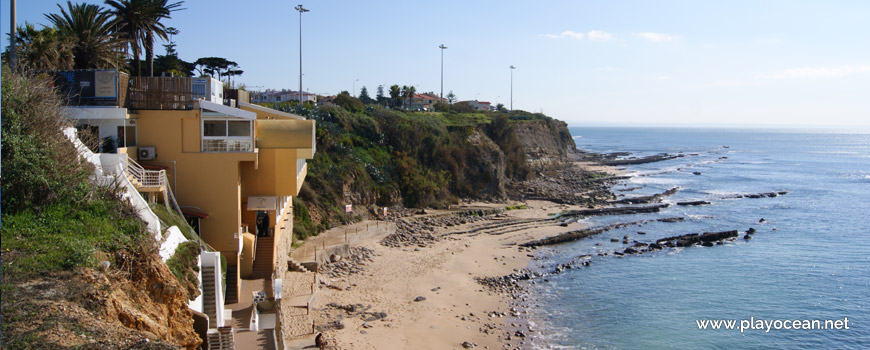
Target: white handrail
[146, 178]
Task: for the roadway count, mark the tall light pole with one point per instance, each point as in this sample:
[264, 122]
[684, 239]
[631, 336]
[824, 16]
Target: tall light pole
[301, 10]
[512, 86]
[442, 47]
[13, 60]
[354, 87]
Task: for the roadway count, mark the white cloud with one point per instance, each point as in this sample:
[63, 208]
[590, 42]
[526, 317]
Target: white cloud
[598, 35]
[594, 35]
[658, 37]
[566, 34]
[820, 72]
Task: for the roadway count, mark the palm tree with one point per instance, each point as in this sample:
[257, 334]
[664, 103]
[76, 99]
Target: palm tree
[159, 9]
[94, 44]
[44, 49]
[139, 21]
[411, 92]
[129, 15]
[395, 92]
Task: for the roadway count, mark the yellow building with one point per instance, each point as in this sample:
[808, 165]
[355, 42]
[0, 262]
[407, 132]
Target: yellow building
[236, 166]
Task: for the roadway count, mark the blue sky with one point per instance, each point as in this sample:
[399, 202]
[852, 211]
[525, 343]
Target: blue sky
[781, 63]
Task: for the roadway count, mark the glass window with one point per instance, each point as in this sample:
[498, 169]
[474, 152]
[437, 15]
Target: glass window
[239, 128]
[215, 128]
[198, 89]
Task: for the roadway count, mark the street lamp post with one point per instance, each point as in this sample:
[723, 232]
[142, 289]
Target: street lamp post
[512, 86]
[442, 47]
[354, 87]
[13, 60]
[301, 10]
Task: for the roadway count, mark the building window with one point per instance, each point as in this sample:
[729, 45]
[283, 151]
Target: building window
[227, 136]
[214, 128]
[238, 128]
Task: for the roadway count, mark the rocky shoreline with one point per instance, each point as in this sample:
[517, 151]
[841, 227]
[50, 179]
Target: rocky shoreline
[431, 254]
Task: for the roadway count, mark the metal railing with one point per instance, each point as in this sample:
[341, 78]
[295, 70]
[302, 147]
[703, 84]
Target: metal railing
[146, 178]
[154, 178]
[226, 145]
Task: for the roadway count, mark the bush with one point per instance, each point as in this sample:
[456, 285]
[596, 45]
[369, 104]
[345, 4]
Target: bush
[183, 265]
[40, 165]
[53, 218]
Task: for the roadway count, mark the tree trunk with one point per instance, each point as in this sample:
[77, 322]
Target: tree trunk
[149, 52]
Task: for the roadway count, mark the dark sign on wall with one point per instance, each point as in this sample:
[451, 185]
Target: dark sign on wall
[87, 87]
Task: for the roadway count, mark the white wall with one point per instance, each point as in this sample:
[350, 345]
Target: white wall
[209, 259]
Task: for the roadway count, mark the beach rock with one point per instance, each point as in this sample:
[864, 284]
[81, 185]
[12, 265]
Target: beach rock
[747, 237]
[468, 345]
[707, 244]
[334, 258]
[614, 239]
[696, 172]
[750, 231]
[693, 203]
[629, 251]
[420, 298]
[761, 220]
[436, 289]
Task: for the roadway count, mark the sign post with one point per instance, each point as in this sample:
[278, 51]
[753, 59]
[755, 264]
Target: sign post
[348, 208]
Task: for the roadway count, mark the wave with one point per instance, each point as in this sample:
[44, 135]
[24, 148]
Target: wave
[700, 217]
[654, 180]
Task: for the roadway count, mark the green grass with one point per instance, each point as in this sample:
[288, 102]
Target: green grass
[183, 266]
[171, 218]
[516, 207]
[64, 235]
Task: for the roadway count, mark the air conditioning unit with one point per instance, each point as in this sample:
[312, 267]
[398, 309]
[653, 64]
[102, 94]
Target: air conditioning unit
[147, 153]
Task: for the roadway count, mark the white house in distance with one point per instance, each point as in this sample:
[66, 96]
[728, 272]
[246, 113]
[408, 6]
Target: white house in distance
[478, 105]
[282, 95]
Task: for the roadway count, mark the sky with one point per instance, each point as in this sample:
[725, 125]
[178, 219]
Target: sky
[762, 62]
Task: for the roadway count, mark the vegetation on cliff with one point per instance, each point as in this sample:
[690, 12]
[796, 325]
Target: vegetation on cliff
[369, 156]
[78, 267]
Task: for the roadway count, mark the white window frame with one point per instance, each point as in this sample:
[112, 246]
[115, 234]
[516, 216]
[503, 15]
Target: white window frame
[228, 140]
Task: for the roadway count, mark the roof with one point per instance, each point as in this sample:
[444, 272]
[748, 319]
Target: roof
[189, 211]
[258, 108]
[425, 96]
[227, 111]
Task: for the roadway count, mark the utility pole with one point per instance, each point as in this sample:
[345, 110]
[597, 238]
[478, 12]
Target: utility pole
[354, 88]
[512, 86]
[442, 47]
[13, 59]
[301, 10]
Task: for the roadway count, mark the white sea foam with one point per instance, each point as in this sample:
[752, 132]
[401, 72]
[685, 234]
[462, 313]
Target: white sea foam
[653, 180]
[700, 217]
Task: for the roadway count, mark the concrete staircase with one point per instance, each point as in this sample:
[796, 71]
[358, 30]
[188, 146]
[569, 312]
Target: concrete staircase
[263, 260]
[208, 295]
[222, 339]
[295, 266]
[232, 286]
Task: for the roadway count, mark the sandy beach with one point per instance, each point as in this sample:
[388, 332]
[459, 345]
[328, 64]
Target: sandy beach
[453, 308]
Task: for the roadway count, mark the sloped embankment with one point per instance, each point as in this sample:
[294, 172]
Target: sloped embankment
[79, 270]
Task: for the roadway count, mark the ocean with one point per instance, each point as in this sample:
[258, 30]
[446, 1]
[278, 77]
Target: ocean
[809, 260]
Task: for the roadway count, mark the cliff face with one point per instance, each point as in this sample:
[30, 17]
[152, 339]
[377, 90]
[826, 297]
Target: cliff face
[386, 158]
[138, 304]
[492, 161]
[545, 141]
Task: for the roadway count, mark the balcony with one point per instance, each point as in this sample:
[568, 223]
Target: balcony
[227, 145]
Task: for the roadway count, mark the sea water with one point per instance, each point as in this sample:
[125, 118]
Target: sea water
[809, 260]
